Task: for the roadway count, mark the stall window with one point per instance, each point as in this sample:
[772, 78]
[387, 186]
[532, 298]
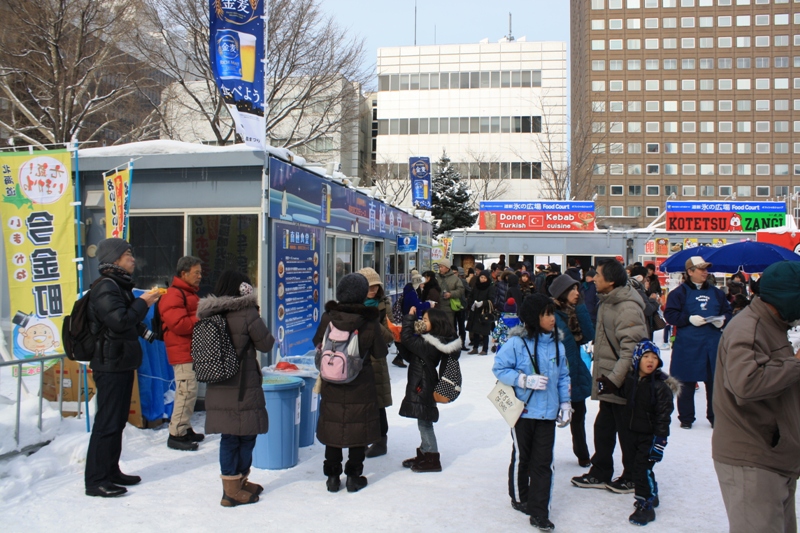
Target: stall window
[390, 279]
[371, 256]
[157, 244]
[224, 242]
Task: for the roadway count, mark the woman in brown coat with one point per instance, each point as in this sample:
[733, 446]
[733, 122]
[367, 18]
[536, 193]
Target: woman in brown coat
[377, 298]
[348, 412]
[238, 421]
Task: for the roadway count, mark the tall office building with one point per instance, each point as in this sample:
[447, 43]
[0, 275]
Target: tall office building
[691, 98]
[493, 107]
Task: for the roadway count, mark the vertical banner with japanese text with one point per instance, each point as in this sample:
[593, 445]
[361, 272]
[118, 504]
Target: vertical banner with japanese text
[39, 231]
[116, 192]
[237, 50]
[419, 169]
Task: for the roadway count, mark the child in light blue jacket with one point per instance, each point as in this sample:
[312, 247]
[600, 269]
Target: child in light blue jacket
[534, 363]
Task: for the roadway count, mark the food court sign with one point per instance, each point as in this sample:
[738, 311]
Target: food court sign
[724, 216]
[540, 215]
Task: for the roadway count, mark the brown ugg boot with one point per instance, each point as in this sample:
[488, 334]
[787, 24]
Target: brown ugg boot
[408, 463]
[249, 486]
[429, 463]
[233, 494]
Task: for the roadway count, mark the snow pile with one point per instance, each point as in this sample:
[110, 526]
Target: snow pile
[181, 490]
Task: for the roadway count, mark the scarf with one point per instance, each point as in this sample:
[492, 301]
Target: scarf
[572, 319]
[110, 269]
[371, 302]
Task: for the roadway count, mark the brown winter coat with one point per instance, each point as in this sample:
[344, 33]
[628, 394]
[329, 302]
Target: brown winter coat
[757, 394]
[620, 326]
[348, 413]
[224, 412]
[379, 364]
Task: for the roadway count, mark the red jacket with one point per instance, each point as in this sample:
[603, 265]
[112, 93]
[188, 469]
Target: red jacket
[179, 317]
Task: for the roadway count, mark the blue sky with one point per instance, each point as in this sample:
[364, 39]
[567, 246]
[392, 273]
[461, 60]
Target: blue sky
[391, 22]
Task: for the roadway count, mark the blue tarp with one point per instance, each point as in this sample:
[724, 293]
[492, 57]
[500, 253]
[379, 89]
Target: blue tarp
[156, 378]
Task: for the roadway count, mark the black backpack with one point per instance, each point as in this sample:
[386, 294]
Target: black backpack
[76, 334]
[213, 354]
[397, 310]
[157, 324]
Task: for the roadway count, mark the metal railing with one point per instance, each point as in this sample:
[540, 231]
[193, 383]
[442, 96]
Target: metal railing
[40, 361]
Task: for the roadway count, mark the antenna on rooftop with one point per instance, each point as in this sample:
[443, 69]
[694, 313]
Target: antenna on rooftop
[510, 37]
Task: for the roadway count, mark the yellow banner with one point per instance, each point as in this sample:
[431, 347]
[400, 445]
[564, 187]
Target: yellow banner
[117, 195]
[39, 232]
[441, 250]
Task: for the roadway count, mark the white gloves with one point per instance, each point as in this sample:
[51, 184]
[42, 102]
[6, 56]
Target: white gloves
[534, 382]
[477, 305]
[697, 320]
[564, 414]
[719, 322]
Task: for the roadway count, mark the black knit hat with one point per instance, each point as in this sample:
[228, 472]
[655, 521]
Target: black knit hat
[109, 250]
[532, 308]
[779, 286]
[352, 289]
[561, 284]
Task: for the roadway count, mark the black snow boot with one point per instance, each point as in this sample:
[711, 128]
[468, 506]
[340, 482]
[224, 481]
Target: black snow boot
[644, 513]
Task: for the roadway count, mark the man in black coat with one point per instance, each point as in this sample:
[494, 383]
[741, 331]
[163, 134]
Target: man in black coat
[116, 319]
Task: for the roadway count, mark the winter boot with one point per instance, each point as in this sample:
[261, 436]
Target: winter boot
[398, 361]
[474, 351]
[334, 483]
[233, 494]
[376, 449]
[195, 437]
[355, 483]
[644, 513]
[542, 523]
[181, 443]
[252, 488]
[429, 463]
[408, 463]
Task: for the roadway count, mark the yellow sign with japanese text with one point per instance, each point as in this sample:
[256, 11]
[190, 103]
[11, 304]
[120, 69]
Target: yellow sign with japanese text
[441, 250]
[39, 232]
[117, 195]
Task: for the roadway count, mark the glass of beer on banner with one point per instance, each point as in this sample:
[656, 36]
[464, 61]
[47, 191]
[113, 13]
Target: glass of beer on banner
[248, 56]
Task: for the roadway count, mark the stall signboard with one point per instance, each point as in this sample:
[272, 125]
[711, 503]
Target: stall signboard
[419, 170]
[297, 195]
[117, 196]
[542, 215]
[237, 55]
[441, 250]
[39, 231]
[407, 244]
[297, 287]
[724, 216]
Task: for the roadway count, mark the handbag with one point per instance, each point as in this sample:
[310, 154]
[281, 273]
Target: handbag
[658, 321]
[396, 329]
[449, 386]
[455, 305]
[505, 399]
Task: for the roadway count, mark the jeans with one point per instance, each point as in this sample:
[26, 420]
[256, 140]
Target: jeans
[236, 453]
[105, 445]
[427, 436]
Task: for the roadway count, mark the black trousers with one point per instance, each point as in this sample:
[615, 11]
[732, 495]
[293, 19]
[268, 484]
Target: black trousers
[646, 486]
[610, 424]
[686, 412]
[578, 428]
[105, 445]
[460, 319]
[530, 474]
[333, 461]
[384, 421]
[480, 340]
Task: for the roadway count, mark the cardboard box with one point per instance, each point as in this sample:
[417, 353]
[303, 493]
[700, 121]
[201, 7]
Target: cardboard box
[72, 382]
[135, 414]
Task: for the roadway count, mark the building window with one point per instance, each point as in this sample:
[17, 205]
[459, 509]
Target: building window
[762, 190]
[634, 211]
[652, 169]
[634, 190]
[651, 212]
[616, 211]
[725, 190]
[653, 190]
[688, 190]
[669, 190]
[617, 190]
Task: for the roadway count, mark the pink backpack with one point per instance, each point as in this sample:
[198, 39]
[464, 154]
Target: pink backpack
[338, 358]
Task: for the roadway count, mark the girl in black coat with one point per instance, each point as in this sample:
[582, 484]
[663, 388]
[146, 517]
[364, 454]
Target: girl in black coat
[482, 316]
[436, 341]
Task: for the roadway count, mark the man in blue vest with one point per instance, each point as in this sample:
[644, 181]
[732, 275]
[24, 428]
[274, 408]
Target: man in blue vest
[698, 310]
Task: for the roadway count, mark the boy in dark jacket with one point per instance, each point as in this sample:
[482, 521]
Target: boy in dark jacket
[649, 392]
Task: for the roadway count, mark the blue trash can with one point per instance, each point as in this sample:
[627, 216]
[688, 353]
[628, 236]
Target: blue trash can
[280, 446]
[310, 399]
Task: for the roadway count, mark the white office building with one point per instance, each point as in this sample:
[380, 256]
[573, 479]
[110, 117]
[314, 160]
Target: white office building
[494, 107]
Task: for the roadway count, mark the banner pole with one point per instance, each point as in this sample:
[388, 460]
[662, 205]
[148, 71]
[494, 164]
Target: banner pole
[127, 205]
[79, 265]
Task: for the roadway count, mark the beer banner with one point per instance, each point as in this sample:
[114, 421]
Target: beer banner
[419, 169]
[238, 58]
[39, 232]
[117, 195]
[441, 250]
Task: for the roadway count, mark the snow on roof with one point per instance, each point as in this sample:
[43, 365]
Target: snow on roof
[168, 147]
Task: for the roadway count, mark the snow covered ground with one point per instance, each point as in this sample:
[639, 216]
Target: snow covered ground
[181, 490]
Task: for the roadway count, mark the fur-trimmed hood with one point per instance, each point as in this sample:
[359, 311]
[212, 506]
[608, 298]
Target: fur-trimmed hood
[214, 305]
[441, 344]
[673, 384]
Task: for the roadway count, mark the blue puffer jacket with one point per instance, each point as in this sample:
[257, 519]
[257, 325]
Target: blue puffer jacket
[513, 359]
[579, 374]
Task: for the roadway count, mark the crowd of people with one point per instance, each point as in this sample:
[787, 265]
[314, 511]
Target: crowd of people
[543, 326]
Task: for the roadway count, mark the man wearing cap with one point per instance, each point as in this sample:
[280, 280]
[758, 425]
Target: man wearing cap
[452, 289]
[698, 310]
[756, 439]
[116, 318]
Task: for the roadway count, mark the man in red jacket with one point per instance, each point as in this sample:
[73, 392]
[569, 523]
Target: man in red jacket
[178, 308]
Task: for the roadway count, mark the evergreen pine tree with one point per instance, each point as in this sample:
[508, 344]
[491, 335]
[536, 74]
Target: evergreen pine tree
[450, 198]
